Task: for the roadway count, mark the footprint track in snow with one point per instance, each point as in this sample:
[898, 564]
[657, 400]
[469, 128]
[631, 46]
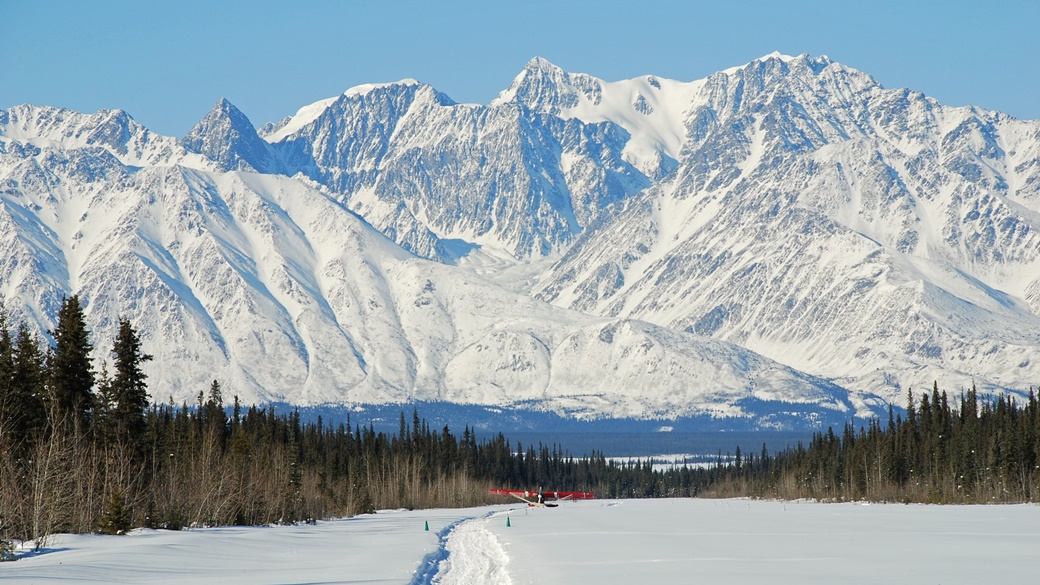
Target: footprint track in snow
[474, 556]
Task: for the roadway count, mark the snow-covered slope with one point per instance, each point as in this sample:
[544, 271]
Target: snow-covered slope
[270, 285]
[867, 235]
[650, 109]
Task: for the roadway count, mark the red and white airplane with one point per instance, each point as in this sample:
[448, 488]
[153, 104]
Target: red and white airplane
[538, 499]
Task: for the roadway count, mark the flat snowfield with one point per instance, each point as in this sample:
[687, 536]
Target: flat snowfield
[387, 547]
[736, 542]
[602, 542]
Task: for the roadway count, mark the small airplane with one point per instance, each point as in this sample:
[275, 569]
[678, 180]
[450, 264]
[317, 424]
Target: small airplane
[538, 499]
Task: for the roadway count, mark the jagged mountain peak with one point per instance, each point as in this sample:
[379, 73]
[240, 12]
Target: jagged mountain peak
[541, 63]
[365, 88]
[114, 130]
[224, 105]
[401, 92]
[62, 125]
[540, 67]
[223, 113]
[800, 58]
[776, 67]
[227, 137]
[406, 89]
[543, 86]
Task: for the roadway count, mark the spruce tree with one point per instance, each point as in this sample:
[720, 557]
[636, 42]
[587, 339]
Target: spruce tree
[27, 387]
[70, 371]
[104, 406]
[116, 518]
[213, 413]
[128, 387]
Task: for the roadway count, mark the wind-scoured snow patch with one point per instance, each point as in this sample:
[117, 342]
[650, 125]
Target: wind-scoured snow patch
[365, 88]
[301, 118]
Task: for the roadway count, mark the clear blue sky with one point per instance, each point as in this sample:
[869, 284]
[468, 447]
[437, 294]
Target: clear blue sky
[167, 63]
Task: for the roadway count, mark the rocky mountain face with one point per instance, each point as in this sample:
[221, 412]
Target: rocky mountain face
[870, 236]
[428, 172]
[779, 242]
[228, 139]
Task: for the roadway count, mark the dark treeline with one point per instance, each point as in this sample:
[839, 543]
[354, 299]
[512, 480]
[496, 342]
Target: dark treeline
[86, 451]
[973, 451]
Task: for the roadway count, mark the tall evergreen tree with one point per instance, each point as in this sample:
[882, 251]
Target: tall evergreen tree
[104, 406]
[213, 411]
[128, 387]
[71, 373]
[27, 387]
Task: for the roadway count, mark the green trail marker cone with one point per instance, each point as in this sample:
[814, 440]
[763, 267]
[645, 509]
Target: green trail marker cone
[427, 526]
[507, 522]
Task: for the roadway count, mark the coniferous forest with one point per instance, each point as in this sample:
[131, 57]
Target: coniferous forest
[88, 451]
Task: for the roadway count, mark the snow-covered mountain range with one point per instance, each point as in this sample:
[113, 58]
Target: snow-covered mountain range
[874, 237]
[782, 237]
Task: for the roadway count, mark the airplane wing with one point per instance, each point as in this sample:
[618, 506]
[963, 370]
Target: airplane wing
[515, 493]
[521, 495]
[525, 495]
[570, 495]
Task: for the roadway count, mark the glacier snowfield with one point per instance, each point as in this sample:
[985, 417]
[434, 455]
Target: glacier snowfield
[598, 542]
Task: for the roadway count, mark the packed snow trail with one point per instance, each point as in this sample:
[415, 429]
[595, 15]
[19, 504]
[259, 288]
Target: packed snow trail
[430, 564]
[474, 555]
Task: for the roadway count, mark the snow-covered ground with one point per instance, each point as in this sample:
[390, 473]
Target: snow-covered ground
[601, 542]
[384, 548]
[739, 541]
